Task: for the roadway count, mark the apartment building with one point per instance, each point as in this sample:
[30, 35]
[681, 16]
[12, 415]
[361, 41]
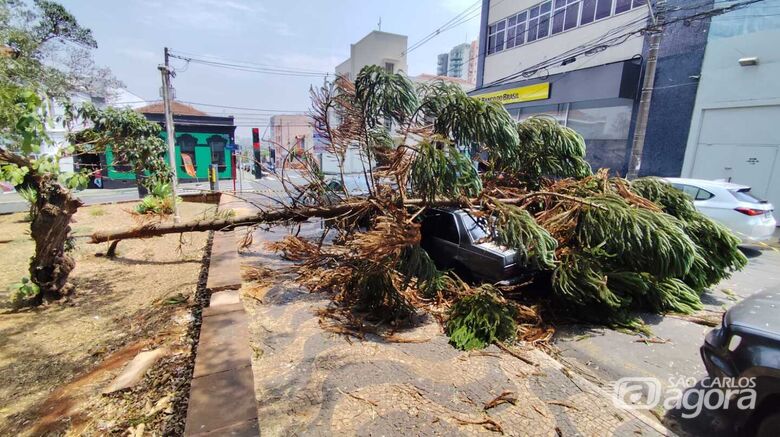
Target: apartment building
[460, 62]
[442, 63]
[388, 50]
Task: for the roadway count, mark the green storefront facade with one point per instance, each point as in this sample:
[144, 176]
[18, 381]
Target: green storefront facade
[203, 138]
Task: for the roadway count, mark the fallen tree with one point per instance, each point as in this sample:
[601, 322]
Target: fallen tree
[596, 246]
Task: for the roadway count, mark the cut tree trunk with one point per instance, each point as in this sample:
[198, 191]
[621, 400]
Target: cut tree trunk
[298, 214]
[51, 265]
[273, 216]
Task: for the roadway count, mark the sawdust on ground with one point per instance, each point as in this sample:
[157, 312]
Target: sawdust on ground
[55, 359]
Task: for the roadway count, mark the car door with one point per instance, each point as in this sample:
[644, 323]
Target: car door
[441, 238]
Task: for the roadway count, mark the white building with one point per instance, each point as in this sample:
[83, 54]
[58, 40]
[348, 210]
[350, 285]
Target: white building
[57, 132]
[388, 50]
[734, 132]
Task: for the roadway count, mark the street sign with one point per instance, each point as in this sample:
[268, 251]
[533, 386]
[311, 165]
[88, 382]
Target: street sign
[231, 147]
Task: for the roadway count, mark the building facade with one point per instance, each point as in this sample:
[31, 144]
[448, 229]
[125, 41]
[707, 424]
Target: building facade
[733, 131]
[460, 62]
[58, 132]
[442, 63]
[388, 50]
[202, 138]
[583, 62]
[291, 133]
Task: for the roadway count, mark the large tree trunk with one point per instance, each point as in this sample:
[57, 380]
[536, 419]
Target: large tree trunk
[273, 216]
[51, 265]
[299, 214]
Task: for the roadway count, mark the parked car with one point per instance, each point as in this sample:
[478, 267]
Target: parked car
[457, 240]
[356, 185]
[733, 205]
[747, 344]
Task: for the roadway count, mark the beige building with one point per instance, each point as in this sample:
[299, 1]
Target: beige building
[388, 50]
[291, 134]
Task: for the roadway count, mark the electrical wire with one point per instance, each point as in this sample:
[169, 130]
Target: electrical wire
[240, 107]
[246, 66]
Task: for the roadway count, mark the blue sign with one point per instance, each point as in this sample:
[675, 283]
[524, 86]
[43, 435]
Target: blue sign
[231, 147]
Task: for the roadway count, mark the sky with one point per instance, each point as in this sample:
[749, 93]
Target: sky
[313, 35]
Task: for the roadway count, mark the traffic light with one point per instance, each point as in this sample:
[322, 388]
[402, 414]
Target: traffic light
[256, 138]
[258, 171]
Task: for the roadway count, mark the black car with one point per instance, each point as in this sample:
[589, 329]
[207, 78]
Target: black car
[747, 345]
[457, 240]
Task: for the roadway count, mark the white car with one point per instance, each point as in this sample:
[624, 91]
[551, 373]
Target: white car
[749, 217]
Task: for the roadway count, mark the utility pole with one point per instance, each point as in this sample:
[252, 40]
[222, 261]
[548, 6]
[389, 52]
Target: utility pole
[643, 112]
[166, 72]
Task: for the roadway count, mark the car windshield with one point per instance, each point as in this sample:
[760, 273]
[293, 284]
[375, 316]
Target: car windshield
[744, 195]
[476, 227]
[353, 184]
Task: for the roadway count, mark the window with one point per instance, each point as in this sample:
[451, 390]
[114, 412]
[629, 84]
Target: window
[442, 226]
[588, 11]
[550, 18]
[704, 195]
[389, 67]
[544, 20]
[186, 145]
[566, 15]
[496, 37]
[603, 9]
[447, 229]
[622, 6]
[572, 14]
[476, 227]
[744, 195]
[690, 190]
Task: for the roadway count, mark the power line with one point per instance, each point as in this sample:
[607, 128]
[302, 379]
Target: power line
[242, 107]
[249, 67]
[233, 61]
[441, 28]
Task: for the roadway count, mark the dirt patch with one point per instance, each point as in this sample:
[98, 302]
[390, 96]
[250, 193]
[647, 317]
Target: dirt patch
[54, 360]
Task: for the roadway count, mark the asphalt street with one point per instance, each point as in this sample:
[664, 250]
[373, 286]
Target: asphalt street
[672, 355]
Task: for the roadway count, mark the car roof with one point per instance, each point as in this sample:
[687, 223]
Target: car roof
[704, 183]
[757, 312]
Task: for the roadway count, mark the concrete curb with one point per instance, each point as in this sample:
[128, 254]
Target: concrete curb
[222, 393]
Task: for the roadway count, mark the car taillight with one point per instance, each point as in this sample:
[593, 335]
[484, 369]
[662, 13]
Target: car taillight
[749, 211]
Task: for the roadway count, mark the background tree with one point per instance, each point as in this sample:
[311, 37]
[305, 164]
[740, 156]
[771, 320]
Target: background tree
[46, 40]
[133, 140]
[52, 51]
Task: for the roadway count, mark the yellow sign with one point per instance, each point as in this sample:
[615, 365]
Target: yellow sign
[539, 91]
